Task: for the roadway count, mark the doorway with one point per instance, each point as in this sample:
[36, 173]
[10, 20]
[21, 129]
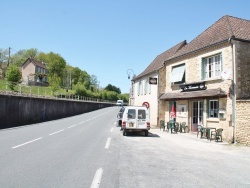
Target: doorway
[197, 115]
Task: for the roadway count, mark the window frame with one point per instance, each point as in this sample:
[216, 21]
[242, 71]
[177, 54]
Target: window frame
[211, 66]
[183, 75]
[213, 108]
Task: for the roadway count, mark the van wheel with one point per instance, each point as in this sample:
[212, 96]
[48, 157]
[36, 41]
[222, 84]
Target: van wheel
[146, 133]
[124, 132]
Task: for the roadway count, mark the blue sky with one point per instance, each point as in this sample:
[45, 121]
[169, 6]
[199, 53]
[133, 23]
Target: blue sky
[108, 37]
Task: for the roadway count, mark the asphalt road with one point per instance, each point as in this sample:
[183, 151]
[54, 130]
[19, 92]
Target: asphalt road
[88, 150]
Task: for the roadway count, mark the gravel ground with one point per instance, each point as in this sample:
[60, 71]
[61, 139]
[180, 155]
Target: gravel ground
[181, 160]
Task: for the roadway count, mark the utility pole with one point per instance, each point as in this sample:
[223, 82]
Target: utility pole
[8, 58]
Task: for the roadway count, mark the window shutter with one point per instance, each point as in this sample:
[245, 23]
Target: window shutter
[202, 69]
[221, 67]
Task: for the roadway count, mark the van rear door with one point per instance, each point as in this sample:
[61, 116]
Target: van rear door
[131, 119]
[141, 119]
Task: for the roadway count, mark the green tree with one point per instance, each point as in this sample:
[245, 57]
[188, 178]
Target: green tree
[55, 63]
[22, 55]
[93, 80]
[54, 82]
[112, 88]
[3, 61]
[75, 75]
[13, 75]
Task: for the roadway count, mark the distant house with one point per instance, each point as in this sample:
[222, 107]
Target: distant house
[146, 91]
[34, 72]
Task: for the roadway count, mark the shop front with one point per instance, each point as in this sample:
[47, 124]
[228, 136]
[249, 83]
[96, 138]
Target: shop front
[199, 107]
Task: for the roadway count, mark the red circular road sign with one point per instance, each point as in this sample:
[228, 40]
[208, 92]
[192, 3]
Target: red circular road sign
[146, 104]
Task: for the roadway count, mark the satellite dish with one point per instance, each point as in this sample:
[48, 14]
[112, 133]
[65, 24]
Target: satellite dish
[225, 74]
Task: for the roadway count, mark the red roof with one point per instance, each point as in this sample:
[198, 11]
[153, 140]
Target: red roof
[158, 62]
[220, 31]
[36, 63]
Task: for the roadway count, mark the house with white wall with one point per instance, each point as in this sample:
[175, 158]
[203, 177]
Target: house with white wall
[145, 85]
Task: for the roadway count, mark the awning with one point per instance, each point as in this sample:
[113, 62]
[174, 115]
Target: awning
[194, 94]
[177, 74]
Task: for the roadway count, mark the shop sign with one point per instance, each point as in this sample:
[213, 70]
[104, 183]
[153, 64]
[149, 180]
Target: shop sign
[193, 86]
[152, 81]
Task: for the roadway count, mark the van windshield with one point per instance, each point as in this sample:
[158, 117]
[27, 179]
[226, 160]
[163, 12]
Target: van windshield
[141, 114]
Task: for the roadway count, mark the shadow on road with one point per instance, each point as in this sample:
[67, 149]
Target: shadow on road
[142, 134]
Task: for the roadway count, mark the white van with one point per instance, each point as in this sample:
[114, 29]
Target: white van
[135, 118]
[119, 103]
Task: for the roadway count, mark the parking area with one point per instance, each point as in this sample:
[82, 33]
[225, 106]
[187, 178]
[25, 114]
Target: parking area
[181, 160]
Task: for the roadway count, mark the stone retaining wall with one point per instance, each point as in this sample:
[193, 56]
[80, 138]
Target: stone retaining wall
[19, 110]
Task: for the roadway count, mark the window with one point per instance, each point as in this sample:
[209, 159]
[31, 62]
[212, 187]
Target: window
[138, 89]
[131, 113]
[149, 87]
[141, 114]
[213, 108]
[211, 66]
[178, 74]
[141, 88]
[145, 86]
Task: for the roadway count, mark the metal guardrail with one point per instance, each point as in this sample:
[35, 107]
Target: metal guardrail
[43, 94]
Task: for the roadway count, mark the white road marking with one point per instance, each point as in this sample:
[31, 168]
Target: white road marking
[108, 143]
[111, 129]
[26, 143]
[72, 126]
[97, 179]
[56, 132]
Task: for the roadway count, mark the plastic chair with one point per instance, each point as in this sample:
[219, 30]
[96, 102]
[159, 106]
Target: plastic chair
[199, 130]
[162, 125]
[176, 129]
[216, 135]
[168, 126]
[183, 127]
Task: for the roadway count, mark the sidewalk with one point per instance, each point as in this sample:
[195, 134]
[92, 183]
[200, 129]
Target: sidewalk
[188, 136]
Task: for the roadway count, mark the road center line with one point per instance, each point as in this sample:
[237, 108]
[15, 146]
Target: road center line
[97, 179]
[26, 143]
[111, 129]
[72, 126]
[108, 143]
[56, 132]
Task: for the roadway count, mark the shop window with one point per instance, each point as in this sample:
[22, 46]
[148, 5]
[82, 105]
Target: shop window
[178, 74]
[213, 108]
[211, 67]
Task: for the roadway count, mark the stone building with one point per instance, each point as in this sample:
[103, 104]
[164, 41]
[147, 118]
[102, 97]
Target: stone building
[208, 81]
[34, 72]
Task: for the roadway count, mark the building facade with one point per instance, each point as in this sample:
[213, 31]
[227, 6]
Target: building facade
[34, 72]
[207, 81]
[145, 86]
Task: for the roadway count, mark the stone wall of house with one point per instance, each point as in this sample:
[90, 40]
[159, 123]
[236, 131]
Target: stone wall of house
[26, 70]
[242, 123]
[162, 85]
[193, 68]
[193, 74]
[242, 66]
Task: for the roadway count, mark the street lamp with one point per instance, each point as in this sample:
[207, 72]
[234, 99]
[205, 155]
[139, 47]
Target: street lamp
[130, 71]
